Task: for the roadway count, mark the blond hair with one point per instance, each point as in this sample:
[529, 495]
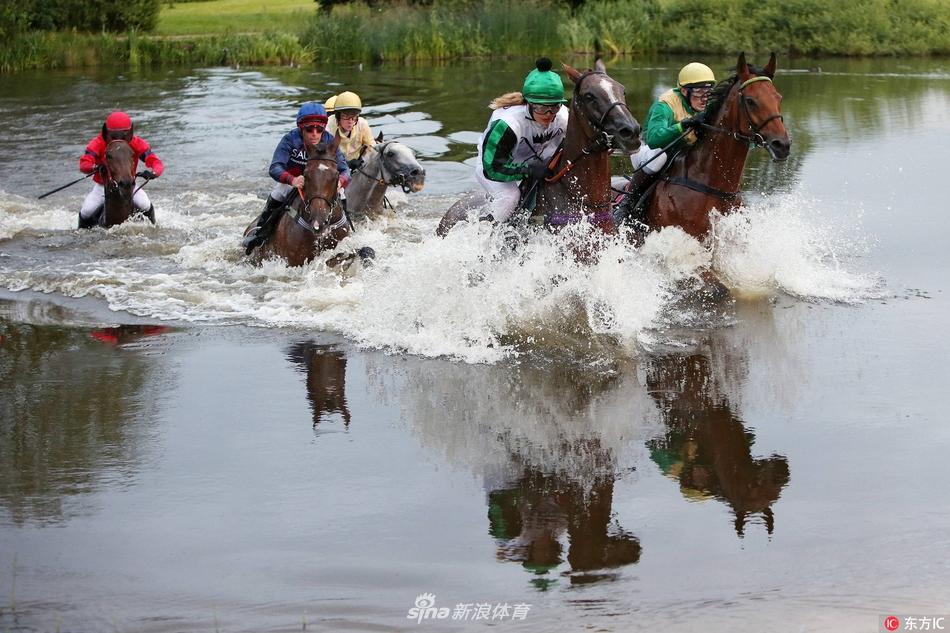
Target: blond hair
[506, 100]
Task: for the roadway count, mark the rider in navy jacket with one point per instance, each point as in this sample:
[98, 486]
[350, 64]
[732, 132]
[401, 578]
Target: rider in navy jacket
[287, 167]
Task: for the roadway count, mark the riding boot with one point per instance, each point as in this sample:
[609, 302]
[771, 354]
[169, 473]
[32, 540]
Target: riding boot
[91, 221]
[150, 214]
[638, 184]
[265, 224]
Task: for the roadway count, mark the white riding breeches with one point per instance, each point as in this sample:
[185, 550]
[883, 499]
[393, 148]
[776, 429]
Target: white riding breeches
[644, 155]
[504, 196]
[281, 191]
[97, 197]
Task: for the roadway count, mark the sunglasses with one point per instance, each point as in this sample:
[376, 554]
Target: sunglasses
[545, 110]
[314, 128]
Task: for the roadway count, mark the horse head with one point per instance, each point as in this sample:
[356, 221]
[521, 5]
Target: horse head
[397, 165]
[601, 102]
[757, 118]
[319, 195]
[119, 162]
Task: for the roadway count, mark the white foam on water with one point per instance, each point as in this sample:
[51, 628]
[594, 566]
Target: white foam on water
[470, 296]
[788, 244]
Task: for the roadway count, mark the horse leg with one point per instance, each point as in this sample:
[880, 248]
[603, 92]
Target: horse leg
[367, 255]
[341, 258]
[713, 289]
[459, 211]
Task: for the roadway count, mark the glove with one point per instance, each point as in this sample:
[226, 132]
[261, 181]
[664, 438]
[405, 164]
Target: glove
[693, 122]
[147, 174]
[356, 163]
[102, 170]
[537, 168]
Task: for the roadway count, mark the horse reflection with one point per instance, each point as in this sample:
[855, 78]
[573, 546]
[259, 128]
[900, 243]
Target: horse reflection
[705, 447]
[325, 368]
[529, 519]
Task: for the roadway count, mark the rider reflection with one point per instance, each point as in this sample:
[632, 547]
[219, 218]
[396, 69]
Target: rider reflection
[325, 367]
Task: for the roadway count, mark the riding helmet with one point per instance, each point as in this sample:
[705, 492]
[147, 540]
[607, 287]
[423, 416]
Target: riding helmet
[542, 85]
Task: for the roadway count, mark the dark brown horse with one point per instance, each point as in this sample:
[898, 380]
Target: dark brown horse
[743, 112]
[313, 220]
[118, 182]
[599, 122]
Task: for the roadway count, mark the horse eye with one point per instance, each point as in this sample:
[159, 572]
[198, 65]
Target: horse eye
[751, 102]
[390, 153]
[590, 96]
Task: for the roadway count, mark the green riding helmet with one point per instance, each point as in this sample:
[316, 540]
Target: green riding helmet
[542, 85]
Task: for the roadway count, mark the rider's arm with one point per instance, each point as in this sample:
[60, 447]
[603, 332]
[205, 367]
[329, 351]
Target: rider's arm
[278, 166]
[497, 150]
[89, 161]
[341, 165]
[146, 155]
[662, 127]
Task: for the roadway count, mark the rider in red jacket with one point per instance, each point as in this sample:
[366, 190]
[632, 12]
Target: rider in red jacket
[118, 125]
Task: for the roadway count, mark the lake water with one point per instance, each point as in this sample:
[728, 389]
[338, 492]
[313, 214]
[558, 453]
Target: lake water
[190, 443]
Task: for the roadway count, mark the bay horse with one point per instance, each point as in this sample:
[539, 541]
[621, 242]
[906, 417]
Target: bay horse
[599, 121]
[313, 219]
[118, 182]
[388, 164]
[743, 111]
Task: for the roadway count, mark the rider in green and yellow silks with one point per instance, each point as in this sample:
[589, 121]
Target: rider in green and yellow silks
[676, 111]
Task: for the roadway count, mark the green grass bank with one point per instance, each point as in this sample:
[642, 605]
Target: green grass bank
[250, 32]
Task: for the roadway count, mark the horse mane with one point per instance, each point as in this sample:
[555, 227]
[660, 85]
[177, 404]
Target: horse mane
[506, 100]
[717, 96]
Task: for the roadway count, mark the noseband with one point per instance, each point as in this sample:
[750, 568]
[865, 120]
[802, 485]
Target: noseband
[397, 179]
[601, 137]
[754, 137]
[332, 204]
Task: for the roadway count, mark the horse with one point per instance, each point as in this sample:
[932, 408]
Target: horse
[743, 111]
[314, 220]
[118, 181]
[388, 163]
[599, 122]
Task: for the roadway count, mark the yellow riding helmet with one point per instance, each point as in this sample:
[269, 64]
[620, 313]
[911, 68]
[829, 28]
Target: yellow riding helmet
[329, 103]
[695, 73]
[347, 101]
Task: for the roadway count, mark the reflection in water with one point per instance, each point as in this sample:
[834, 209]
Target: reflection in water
[705, 447]
[72, 414]
[325, 367]
[549, 443]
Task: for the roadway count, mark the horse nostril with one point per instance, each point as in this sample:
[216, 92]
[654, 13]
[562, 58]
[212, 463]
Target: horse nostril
[416, 172]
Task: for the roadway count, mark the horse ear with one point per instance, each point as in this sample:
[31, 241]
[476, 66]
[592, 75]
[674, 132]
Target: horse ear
[742, 68]
[379, 137]
[572, 72]
[770, 67]
[599, 65]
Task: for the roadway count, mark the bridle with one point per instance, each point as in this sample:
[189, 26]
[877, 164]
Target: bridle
[754, 137]
[111, 182]
[600, 139]
[304, 218]
[397, 179]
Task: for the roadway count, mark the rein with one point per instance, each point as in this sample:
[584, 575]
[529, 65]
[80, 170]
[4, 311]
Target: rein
[600, 140]
[754, 138]
[398, 179]
[332, 204]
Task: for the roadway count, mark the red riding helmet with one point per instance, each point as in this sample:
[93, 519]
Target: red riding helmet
[118, 125]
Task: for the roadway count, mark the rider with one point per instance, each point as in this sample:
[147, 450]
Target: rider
[678, 110]
[118, 125]
[522, 135]
[288, 164]
[355, 135]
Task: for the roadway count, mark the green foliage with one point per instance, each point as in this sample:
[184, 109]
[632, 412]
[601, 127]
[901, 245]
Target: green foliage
[76, 50]
[91, 15]
[614, 26]
[235, 16]
[446, 29]
[858, 27]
